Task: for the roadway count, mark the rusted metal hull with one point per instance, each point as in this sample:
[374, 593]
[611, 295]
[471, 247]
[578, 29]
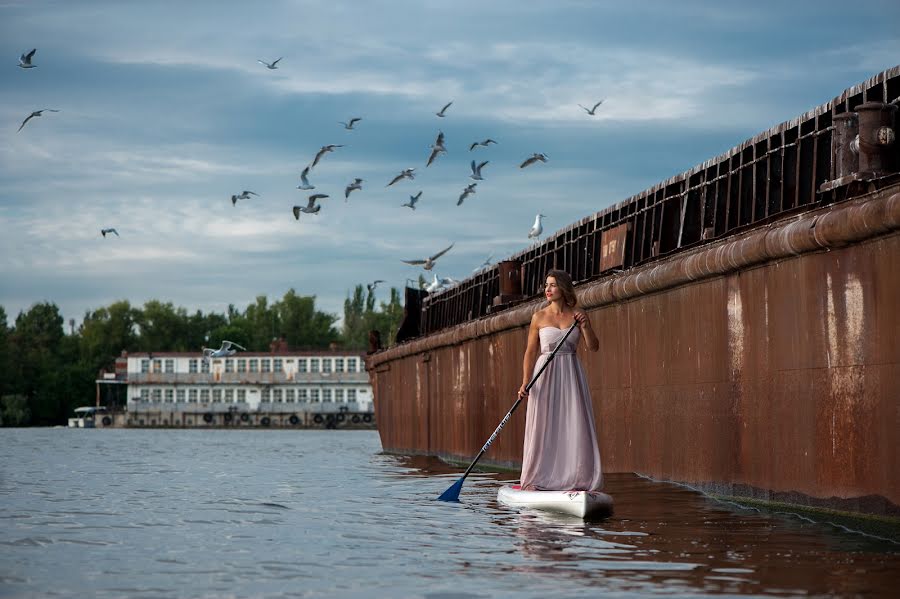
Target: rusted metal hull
[767, 364]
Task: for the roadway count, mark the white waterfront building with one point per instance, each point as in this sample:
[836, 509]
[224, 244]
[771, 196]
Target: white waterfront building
[174, 388]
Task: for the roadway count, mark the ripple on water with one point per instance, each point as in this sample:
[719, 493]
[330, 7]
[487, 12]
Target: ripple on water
[278, 513]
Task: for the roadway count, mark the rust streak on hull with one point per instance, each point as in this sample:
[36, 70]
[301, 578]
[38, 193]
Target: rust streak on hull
[768, 361]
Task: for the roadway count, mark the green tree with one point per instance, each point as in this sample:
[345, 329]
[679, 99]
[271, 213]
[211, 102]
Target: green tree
[36, 343]
[5, 359]
[106, 332]
[360, 317]
[163, 327]
[14, 410]
[301, 324]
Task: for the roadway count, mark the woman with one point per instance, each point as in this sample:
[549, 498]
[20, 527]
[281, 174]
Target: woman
[560, 440]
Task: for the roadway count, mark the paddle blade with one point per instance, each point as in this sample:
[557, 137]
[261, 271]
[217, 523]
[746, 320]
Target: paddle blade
[452, 494]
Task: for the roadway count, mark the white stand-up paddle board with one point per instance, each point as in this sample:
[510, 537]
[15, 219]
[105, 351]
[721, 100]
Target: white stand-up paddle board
[576, 503]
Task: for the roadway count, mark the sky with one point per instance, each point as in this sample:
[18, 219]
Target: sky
[165, 113]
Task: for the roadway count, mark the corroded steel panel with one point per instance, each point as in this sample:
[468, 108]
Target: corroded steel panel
[782, 376]
[612, 246]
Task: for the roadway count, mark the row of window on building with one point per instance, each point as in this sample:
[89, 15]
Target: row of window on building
[326, 365]
[266, 395]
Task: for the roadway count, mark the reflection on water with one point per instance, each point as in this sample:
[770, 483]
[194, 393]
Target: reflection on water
[166, 513]
[664, 535]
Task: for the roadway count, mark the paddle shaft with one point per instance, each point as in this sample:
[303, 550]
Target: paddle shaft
[518, 401]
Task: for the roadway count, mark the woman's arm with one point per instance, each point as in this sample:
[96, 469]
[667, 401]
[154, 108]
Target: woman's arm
[531, 354]
[591, 343]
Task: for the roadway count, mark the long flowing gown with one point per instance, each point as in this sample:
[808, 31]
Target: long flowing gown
[561, 450]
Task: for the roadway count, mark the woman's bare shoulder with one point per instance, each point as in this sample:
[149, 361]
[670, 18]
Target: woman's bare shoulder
[539, 317]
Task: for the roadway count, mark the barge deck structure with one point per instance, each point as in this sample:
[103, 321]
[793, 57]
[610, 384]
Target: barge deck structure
[747, 311]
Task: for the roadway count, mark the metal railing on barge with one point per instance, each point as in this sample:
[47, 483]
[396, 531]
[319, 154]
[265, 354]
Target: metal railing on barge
[834, 152]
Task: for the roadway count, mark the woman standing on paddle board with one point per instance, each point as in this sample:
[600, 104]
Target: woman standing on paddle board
[560, 451]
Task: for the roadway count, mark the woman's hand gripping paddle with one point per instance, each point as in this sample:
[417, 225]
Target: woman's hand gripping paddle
[452, 494]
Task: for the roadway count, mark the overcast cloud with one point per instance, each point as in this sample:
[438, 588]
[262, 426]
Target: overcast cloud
[165, 112]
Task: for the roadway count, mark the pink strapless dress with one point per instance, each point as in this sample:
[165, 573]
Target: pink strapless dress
[561, 452]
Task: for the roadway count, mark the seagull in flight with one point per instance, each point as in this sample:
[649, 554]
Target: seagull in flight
[476, 171]
[222, 352]
[34, 114]
[374, 284]
[349, 124]
[485, 264]
[25, 60]
[244, 195]
[110, 230]
[311, 206]
[536, 157]
[270, 65]
[428, 263]
[304, 182]
[407, 173]
[437, 148]
[322, 151]
[413, 200]
[537, 228]
[484, 143]
[469, 190]
[442, 110]
[357, 184]
[591, 111]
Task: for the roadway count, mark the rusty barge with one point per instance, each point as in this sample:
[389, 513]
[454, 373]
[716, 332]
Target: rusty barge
[747, 311]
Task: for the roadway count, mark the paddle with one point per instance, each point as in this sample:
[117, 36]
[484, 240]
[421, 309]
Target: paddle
[452, 494]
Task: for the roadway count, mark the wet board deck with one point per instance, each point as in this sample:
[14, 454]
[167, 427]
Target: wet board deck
[576, 503]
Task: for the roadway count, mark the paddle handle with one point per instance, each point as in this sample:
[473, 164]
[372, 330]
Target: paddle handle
[519, 400]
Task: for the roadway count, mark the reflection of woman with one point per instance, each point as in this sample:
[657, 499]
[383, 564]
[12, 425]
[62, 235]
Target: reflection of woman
[560, 440]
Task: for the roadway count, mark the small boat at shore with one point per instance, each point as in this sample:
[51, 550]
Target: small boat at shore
[576, 503]
[85, 417]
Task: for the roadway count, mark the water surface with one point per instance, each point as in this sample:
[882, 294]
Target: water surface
[189, 513]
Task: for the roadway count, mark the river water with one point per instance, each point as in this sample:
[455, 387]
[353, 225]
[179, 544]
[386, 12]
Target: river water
[224, 513]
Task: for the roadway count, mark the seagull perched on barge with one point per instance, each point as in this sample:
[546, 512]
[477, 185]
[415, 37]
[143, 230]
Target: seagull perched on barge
[428, 263]
[537, 228]
[222, 352]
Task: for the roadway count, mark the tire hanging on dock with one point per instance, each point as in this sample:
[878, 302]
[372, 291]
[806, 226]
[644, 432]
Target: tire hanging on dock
[355, 419]
[265, 421]
[318, 419]
[294, 420]
[367, 418]
[207, 418]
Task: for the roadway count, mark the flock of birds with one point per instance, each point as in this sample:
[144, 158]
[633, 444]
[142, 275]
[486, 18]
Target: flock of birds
[313, 203]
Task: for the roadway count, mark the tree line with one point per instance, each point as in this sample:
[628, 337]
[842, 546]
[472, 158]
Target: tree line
[45, 373]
